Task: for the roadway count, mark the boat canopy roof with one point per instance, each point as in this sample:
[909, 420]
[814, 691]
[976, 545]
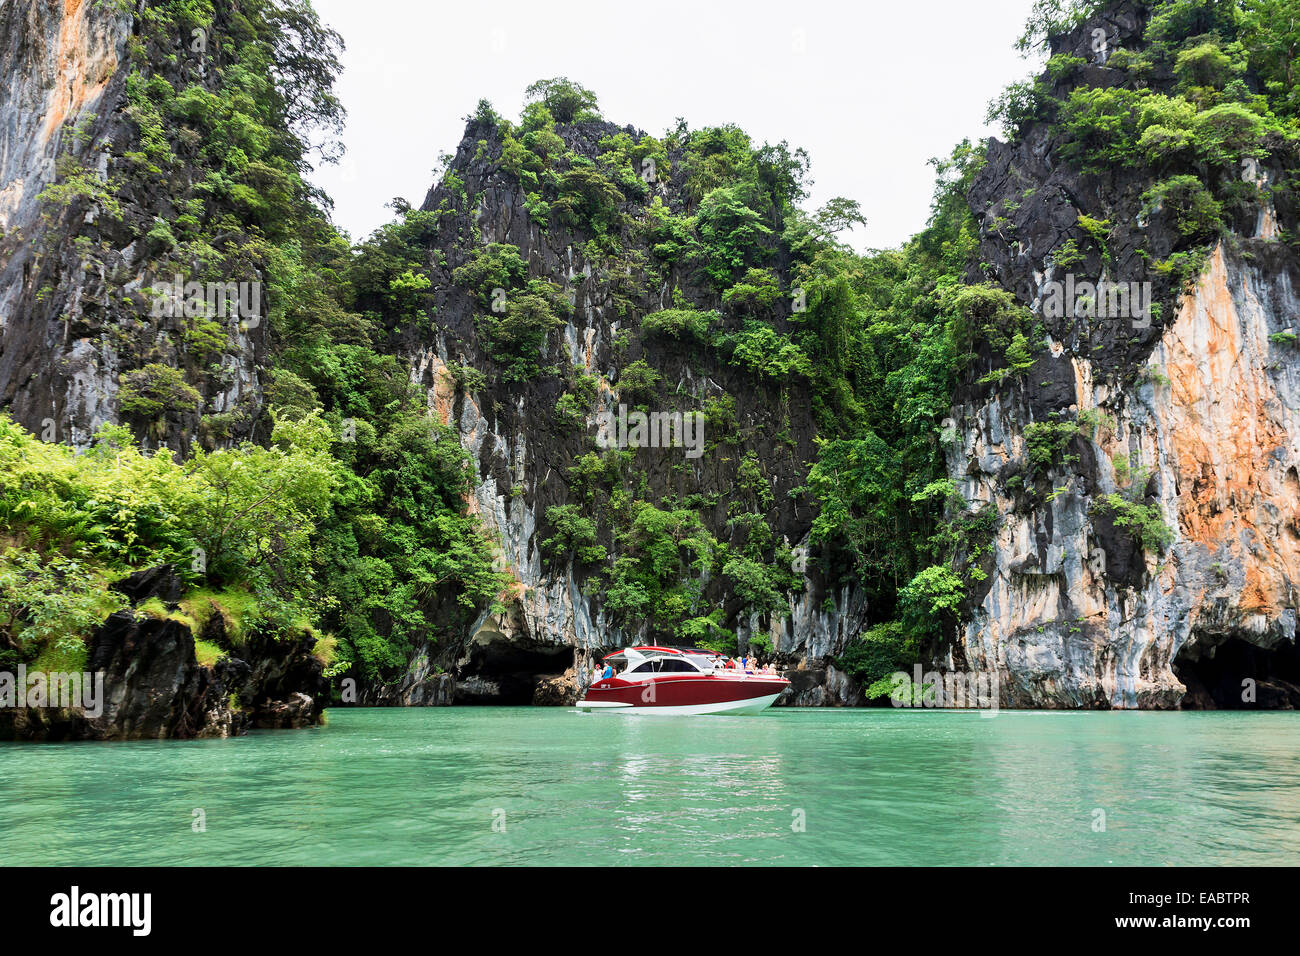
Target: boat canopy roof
[647, 651]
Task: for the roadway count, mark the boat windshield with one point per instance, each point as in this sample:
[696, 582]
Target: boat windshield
[665, 665]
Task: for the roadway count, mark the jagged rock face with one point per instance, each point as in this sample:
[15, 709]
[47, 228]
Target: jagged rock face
[62, 64]
[559, 690]
[285, 686]
[553, 623]
[820, 687]
[1075, 615]
[421, 686]
[59, 59]
[1074, 612]
[153, 686]
[74, 313]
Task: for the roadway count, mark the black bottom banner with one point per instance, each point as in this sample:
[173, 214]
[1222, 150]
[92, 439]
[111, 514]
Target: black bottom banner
[288, 906]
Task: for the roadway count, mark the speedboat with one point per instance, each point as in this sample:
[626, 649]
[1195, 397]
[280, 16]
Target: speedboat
[668, 681]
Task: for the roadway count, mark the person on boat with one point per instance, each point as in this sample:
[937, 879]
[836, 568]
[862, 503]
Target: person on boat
[608, 672]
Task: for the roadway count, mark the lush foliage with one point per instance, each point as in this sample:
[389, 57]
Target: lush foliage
[350, 515]
[245, 518]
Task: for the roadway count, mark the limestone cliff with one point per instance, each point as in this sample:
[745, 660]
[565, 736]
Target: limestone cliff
[104, 185]
[1192, 413]
[1139, 475]
[91, 189]
[83, 206]
[555, 624]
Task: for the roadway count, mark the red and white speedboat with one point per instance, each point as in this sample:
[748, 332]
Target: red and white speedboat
[666, 681]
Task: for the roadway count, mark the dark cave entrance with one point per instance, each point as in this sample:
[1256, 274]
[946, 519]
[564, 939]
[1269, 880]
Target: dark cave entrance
[506, 670]
[1215, 675]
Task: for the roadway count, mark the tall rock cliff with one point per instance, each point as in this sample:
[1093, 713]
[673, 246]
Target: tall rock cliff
[140, 152]
[1144, 471]
[530, 437]
[64, 64]
[97, 191]
[108, 193]
[1127, 457]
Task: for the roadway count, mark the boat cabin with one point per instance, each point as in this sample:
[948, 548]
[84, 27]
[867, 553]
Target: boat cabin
[663, 660]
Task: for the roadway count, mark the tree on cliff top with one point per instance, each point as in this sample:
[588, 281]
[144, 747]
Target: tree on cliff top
[567, 101]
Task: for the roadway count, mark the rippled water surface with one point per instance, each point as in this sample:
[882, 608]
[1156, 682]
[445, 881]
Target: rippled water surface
[551, 786]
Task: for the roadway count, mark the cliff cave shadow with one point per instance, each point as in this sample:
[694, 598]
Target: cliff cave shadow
[1217, 677]
[508, 671]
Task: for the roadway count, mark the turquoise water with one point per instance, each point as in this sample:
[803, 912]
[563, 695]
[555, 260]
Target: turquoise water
[551, 786]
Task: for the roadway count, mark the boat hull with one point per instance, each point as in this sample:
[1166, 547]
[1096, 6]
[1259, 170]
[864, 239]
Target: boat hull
[754, 705]
[672, 696]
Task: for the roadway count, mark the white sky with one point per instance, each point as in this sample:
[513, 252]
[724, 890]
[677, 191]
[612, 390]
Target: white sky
[871, 89]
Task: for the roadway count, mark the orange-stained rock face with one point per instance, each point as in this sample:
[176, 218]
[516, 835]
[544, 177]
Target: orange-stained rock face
[1222, 442]
[442, 395]
[81, 70]
[57, 57]
[1233, 439]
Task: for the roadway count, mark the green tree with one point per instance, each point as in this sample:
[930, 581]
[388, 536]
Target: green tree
[567, 101]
